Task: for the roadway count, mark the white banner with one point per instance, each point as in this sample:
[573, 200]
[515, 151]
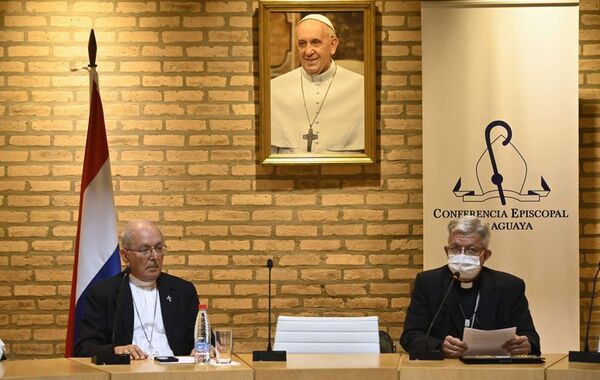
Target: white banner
[500, 141]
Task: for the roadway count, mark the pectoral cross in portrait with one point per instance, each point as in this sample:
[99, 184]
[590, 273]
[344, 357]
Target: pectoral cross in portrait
[309, 137]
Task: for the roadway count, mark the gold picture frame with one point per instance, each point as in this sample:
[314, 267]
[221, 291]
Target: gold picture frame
[282, 128]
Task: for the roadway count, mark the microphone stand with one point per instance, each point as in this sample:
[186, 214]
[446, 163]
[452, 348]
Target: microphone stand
[587, 356]
[270, 266]
[428, 354]
[269, 355]
[110, 357]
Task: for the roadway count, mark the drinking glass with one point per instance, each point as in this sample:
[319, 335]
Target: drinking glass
[223, 345]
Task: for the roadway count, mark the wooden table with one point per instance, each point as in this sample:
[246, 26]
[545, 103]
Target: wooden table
[147, 369]
[60, 368]
[328, 367]
[455, 369]
[563, 370]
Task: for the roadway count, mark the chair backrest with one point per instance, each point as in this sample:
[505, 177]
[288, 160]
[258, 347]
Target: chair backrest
[298, 335]
[386, 343]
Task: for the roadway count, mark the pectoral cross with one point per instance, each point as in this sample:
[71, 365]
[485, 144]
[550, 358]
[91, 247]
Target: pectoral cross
[309, 137]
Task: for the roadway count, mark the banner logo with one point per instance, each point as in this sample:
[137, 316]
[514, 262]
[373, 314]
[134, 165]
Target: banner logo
[501, 153]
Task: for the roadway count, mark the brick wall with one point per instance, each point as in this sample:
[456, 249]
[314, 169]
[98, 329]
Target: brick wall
[178, 82]
[589, 158]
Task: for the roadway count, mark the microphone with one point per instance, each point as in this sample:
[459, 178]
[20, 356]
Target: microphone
[270, 266]
[112, 358]
[269, 355]
[586, 356]
[427, 354]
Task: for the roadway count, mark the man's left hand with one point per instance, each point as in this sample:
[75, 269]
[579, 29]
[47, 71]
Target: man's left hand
[518, 345]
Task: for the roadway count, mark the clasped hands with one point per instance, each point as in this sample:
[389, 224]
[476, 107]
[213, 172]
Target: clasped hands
[454, 347]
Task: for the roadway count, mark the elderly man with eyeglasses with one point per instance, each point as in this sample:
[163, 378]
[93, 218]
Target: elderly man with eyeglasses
[156, 311]
[484, 299]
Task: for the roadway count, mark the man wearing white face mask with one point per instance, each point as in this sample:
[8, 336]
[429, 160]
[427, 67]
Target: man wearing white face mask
[485, 299]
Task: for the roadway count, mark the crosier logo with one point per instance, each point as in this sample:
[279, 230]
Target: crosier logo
[493, 185]
[490, 184]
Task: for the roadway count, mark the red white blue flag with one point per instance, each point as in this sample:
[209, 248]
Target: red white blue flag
[96, 246]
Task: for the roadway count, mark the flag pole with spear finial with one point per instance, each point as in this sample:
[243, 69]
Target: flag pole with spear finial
[92, 48]
[96, 255]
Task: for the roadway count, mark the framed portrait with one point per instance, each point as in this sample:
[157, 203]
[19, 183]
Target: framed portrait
[317, 81]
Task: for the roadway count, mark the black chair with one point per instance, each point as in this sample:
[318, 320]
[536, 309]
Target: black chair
[386, 343]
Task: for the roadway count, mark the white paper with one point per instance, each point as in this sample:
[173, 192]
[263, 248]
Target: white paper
[186, 360]
[487, 342]
[213, 362]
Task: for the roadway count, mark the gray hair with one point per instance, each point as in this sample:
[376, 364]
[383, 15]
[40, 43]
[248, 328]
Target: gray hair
[468, 225]
[132, 227]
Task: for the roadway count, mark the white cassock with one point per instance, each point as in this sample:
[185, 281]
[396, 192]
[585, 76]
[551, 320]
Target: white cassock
[340, 123]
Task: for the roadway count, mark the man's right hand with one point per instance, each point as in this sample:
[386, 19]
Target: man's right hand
[132, 350]
[453, 347]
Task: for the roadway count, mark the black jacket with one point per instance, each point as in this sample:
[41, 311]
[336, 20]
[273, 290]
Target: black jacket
[502, 304]
[179, 306]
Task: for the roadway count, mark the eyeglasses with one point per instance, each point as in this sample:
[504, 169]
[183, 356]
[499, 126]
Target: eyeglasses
[470, 251]
[159, 249]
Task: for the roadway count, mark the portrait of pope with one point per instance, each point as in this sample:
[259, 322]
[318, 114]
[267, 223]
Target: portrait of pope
[318, 107]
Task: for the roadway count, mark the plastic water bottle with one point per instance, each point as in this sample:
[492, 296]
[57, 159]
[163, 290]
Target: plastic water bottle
[202, 336]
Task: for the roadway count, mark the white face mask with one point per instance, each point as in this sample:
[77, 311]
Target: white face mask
[467, 266]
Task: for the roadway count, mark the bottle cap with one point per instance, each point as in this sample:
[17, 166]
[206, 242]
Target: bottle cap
[202, 306]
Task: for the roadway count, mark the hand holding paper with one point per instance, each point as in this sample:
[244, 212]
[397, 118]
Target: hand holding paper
[518, 346]
[453, 347]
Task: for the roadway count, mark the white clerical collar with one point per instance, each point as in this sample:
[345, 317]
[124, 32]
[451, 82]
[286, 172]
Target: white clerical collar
[466, 285]
[142, 284]
[323, 77]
